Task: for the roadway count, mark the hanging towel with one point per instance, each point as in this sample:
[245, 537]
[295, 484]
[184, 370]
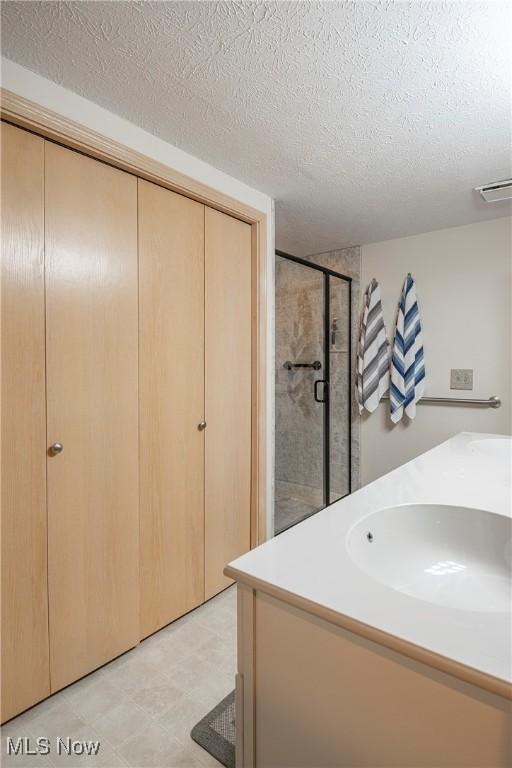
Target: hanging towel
[372, 355]
[407, 362]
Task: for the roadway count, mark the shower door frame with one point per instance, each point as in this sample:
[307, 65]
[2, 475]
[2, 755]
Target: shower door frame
[327, 274]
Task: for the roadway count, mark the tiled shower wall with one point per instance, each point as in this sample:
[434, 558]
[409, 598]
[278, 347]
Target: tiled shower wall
[299, 336]
[299, 419]
[347, 261]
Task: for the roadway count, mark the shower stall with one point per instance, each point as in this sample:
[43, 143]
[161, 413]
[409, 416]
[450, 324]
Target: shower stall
[313, 397]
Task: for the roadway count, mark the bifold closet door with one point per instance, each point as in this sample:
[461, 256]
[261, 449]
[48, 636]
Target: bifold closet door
[228, 394]
[171, 267]
[92, 411]
[25, 671]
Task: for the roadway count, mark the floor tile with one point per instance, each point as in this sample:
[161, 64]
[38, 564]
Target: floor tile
[122, 721]
[180, 718]
[26, 761]
[193, 633]
[290, 510]
[44, 707]
[193, 673]
[105, 757]
[59, 721]
[154, 747]
[135, 673]
[165, 649]
[10, 735]
[157, 696]
[142, 705]
[197, 756]
[95, 700]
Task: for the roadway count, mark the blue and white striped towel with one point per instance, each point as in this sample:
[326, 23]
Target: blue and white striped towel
[407, 362]
[372, 353]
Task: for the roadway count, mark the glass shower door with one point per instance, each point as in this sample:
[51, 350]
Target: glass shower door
[300, 373]
[339, 433]
[313, 389]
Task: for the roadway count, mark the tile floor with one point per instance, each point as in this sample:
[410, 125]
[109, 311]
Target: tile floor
[143, 705]
[290, 510]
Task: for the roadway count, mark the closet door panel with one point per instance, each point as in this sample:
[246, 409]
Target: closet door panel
[171, 264]
[228, 394]
[25, 668]
[92, 342]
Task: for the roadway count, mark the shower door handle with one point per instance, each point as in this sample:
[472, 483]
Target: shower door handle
[315, 390]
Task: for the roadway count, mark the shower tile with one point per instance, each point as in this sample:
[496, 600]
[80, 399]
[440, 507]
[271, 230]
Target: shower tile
[298, 419]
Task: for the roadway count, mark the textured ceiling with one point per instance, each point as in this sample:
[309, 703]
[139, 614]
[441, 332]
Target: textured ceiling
[364, 120]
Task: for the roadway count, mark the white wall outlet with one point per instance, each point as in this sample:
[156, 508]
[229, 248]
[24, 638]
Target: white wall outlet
[461, 378]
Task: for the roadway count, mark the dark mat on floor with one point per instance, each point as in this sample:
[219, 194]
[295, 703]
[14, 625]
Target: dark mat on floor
[216, 731]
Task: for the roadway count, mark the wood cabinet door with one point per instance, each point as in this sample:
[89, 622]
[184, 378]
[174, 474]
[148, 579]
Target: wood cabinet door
[25, 670]
[92, 391]
[227, 394]
[171, 269]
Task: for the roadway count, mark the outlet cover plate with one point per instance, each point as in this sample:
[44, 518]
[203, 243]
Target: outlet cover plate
[461, 378]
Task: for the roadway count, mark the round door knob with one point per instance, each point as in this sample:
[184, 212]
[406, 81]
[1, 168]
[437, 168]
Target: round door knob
[201, 425]
[55, 449]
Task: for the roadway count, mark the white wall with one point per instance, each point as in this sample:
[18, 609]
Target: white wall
[463, 278]
[52, 96]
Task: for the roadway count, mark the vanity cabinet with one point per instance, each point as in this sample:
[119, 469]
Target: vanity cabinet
[310, 692]
[357, 651]
[127, 405]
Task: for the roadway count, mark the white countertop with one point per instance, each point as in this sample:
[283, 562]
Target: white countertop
[310, 561]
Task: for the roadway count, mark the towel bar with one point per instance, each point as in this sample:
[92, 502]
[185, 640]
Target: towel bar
[490, 402]
[290, 366]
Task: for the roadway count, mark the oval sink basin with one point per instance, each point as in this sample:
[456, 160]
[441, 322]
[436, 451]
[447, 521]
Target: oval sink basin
[452, 556]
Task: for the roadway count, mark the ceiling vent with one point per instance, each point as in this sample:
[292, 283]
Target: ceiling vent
[498, 190]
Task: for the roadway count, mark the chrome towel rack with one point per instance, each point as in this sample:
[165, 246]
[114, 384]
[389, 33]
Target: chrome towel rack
[490, 402]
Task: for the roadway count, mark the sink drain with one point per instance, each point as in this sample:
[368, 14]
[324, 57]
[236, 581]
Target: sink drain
[369, 536]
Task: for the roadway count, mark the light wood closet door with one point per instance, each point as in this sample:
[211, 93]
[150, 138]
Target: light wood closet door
[92, 340]
[171, 264]
[228, 394]
[25, 670]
